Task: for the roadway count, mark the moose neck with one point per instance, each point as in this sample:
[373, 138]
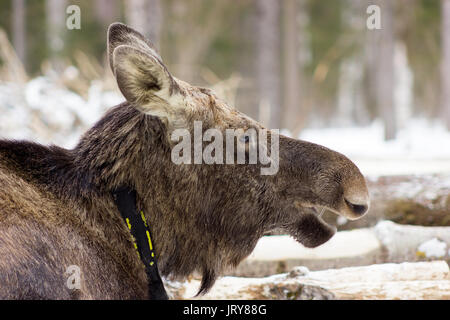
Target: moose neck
[189, 232]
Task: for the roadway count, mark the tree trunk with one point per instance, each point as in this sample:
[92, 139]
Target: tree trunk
[106, 11]
[146, 17]
[371, 58]
[19, 29]
[56, 29]
[269, 58]
[445, 64]
[136, 15]
[154, 21]
[351, 106]
[291, 83]
[385, 99]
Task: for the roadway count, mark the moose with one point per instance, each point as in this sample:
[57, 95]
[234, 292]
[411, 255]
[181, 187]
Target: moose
[62, 208]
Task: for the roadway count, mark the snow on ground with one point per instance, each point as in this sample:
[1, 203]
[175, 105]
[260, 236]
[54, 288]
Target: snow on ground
[281, 248]
[46, 112]
[433, 248]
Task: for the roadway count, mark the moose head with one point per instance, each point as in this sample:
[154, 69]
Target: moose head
[207, 216]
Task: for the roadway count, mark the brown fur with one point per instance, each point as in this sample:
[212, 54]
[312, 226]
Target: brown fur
[56, 208]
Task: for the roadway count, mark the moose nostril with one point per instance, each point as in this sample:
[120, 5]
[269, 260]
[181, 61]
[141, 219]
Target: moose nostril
[357, 208]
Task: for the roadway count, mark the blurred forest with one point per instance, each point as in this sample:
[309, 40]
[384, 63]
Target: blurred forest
[290, 64]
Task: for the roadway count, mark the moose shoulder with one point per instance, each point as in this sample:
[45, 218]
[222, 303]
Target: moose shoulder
[57, 208]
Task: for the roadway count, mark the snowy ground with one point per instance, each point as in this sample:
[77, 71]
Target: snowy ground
[46, 112]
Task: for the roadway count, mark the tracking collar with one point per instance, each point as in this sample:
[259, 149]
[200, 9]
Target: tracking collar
[125, 199]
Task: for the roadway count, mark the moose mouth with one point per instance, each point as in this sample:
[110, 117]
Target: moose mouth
[347, 209]
[311, 230]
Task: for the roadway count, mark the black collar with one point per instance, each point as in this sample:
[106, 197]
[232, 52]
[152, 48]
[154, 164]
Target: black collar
[125, 199]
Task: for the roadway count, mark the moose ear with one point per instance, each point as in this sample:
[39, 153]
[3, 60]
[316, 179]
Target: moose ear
[120, 34]
[143, 79]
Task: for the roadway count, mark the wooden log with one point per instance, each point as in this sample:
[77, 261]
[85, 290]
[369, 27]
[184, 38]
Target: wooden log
[420, 280]
[394, 290]
[277, 287]
[406, 271]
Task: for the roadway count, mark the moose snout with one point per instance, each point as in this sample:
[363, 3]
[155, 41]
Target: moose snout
[357, 203]
[357, 209]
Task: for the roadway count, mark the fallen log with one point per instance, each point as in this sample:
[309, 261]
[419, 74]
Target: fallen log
[420, 280]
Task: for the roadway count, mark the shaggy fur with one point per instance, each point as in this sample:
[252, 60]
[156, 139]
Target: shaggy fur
[56, 208]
